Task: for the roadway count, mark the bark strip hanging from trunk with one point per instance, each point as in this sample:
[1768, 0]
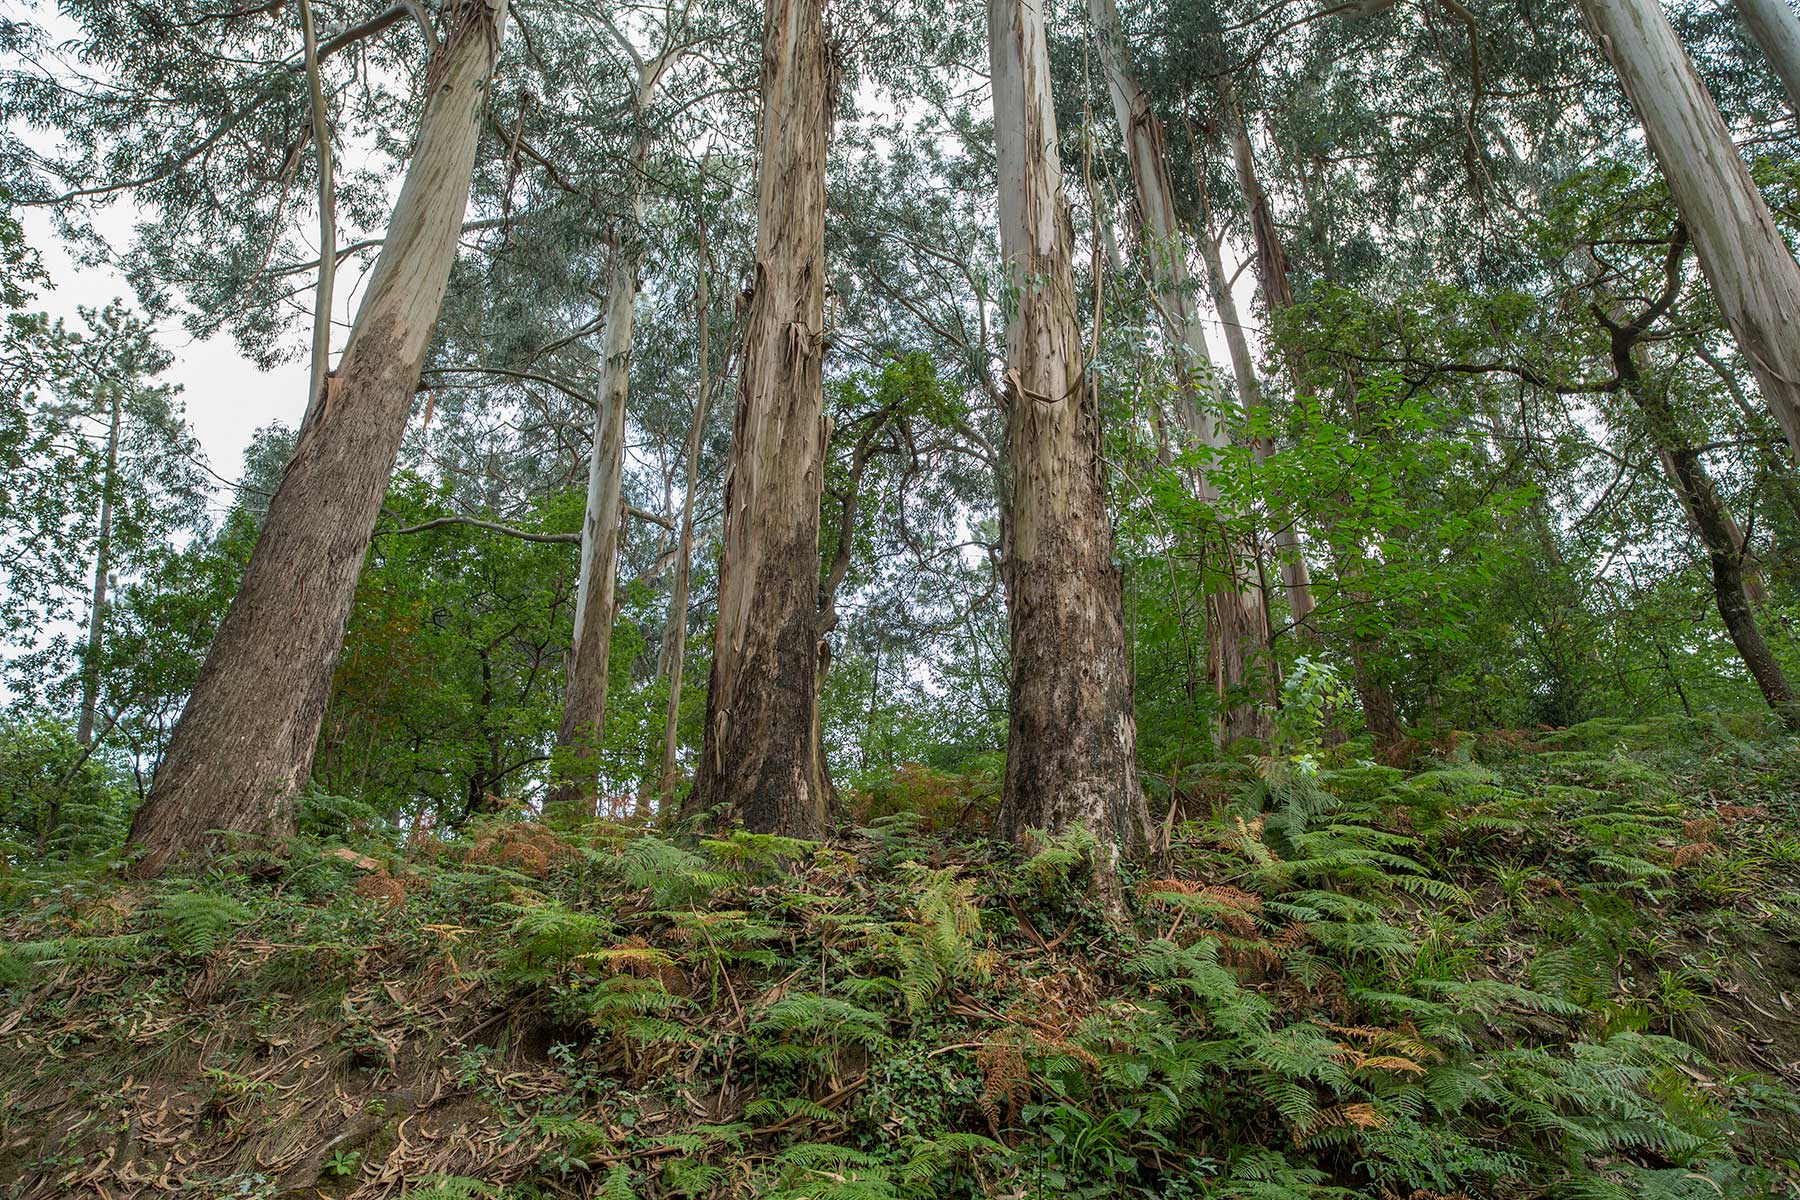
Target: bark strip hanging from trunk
[244, 745]
[1072, 741]
[757, 758]
[1753, 275]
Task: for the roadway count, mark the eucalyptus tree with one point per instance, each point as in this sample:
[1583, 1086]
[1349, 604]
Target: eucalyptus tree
[102, 472]
[1777, 32]
[1071, 742]
[758, 755]
[581, 728]
[245, 742]
[1237, 608]
[1751, 268]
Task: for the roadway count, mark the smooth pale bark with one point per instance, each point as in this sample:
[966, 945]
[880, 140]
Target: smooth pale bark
[321, 132]
[244, 744]
[684, 553]
[1753, 275]
[1237, 613]
[90, 661]
[1278, 295]
[1380, 712]
[1072, 742]
[1777, 32]
[580, 733]
[757, 759]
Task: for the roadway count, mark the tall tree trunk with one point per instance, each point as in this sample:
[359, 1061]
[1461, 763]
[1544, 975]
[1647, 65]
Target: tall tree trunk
[1239, 616]
[581, 732]
[1380, 712]
[684, 551]
[1776, 31]
[1278, 297]
[244, 745]
[1296, 576]
[90, 661]
[757, 756]
[1711, 521]
[1072, 743]
[1753, 275]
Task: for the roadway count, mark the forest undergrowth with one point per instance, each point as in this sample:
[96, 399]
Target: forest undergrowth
[1536, 964]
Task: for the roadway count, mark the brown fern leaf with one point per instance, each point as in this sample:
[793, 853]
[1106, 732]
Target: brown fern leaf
[1700, 829]
[1692, 853]
[1005, 1081]
[1356, 1116]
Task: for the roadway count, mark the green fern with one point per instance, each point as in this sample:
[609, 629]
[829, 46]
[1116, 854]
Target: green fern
[938, 949]
[194, 924]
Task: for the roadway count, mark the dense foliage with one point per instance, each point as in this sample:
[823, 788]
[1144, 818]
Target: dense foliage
[1399, 575]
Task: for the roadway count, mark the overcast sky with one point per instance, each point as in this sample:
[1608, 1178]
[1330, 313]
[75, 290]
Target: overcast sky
[227, 398]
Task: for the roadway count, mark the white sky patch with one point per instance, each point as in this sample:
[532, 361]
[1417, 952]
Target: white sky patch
[227, 397]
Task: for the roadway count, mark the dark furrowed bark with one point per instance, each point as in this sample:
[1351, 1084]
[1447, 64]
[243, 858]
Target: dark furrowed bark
[1072, 741]
[758, 760]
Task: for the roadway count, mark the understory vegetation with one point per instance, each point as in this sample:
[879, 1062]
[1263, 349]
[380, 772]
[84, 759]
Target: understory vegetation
[1548, 963]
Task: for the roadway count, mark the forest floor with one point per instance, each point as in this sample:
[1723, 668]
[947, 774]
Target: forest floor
[1552, 963]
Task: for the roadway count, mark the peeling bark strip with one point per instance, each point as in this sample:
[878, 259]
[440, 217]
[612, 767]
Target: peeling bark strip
[1752, 273]
[1072, 745]
[244, 744]
[757, 755]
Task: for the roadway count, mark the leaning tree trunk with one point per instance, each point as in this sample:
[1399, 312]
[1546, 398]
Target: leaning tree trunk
[1732, 589]
[1072, 743]
[244, 744]
[1776, 31]
[580, 733]
[1296, 576]
[1278, 296]
[1753, 274]
[757, 757]
[1730, 534]
[1711, 521]
[1239, 616]
[90, 660]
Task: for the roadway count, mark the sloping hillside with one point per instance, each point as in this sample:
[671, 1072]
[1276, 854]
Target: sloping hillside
[1556, 964]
